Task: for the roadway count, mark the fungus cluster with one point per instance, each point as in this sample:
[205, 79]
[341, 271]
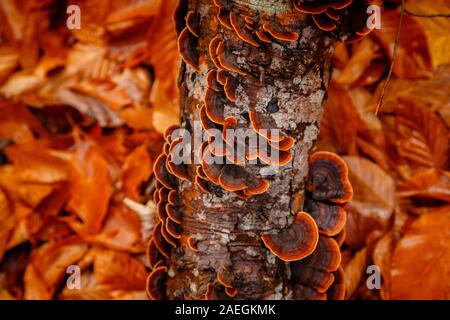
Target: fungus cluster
[167, 231]
[221, 288]
[320, 276]
[327, 14]
[311, 243]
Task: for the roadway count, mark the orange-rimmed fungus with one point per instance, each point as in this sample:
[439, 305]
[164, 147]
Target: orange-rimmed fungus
[295, 242]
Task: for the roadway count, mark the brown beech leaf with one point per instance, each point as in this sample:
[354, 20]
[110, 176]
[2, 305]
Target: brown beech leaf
[421, 259]
[7, 222]
[435, 29]
[121, 230]
[433, 93]
[165, 112]
[340, 55]
[373, 200]
[90, 289]
[423, 137]
[18, 124]
[33, 163]
[133, 9]
[136, 169]
[9, 60]
[164, 50]
[362, 55]
[413, 57]
[382, 257]
[339, 123]
[431, 184]
[94, 107]
[354, 271]
[119, 271]
[48, 265]
[91, 189]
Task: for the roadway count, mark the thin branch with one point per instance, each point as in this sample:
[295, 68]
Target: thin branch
[423, 15]
[394, 55]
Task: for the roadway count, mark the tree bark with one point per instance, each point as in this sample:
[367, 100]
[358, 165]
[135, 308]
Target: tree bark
[285, 81]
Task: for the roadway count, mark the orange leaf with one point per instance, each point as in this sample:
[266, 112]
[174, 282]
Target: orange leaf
[163, 49]
[354, 271]
[48, 266]
[373, 200]
[382, 257]
[119, 271]
[91, 189]
[421, 259]
[413, 56]
[362, 55]
[339, 123]
[423, 136]
[431, 184]
[121, 230]
[33, 163]
[136, 169]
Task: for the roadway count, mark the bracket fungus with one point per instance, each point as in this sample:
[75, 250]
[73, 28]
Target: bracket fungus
[173, 213]
[280, 35]
[153, 254]
[161, 244]
[330, 218]
[328, 178]
[187, 43]
[337, 289]
[327, 13]
[227, 60]
[296, 242]
[156, 283]
[192, 23]
[262, 35]
[243, 33]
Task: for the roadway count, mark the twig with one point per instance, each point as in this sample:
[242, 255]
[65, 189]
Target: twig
[394, 55]
[423, 15]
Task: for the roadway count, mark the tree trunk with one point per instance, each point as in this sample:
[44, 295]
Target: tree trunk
[287, 81]
[275, 65]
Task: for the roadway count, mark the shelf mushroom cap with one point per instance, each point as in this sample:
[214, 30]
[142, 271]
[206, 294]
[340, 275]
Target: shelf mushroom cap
[330, 218]
[187, 44]
[162, 174]
[296, 242]
[302, 292]
[328, 178]
[153, 255]
[156, 283]
[337, 290]
[317, 279]
[326, 257]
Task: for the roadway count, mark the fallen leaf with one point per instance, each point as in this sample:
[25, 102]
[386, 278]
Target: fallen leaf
[163, 49]
[362, 55]
[423, 137]
[136, 169]
[427, 184]
[382, 258]
[413, 54]
[48, 265]
[373, 200]
[354, 271]
[119, 271]
[339, 123]
[421, 258]
[91, 189]
[121, 230]
[435, 28]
